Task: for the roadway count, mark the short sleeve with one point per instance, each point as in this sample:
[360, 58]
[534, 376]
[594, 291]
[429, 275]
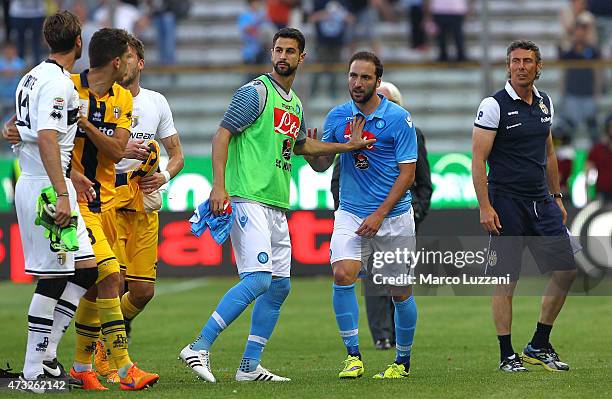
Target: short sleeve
[166, 123]
[301, 137]
[328, 128]
[247, 104]
[552, 110]
[488, 113]
[53, 103]
[127, 107]
[405, 140]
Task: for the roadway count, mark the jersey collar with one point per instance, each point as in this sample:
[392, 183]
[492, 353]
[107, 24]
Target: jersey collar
[378, 113]
[85, 82]
[50, 61]
[512, 93]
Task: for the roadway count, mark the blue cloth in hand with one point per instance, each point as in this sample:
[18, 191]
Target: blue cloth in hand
[219, 226]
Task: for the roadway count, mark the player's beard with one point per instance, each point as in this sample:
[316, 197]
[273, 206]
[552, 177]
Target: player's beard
[287, 72]
[365, 97]
[128, 78]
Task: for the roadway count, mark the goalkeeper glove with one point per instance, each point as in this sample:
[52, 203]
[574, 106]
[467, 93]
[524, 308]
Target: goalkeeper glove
[62, 238]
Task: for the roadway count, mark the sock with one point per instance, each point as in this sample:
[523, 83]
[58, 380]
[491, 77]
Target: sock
[111, 360]
[62, 316]
[40, 322]
[80, 367]
[233, 303]
[505, 346]
[113, 330]
[405, 318]
[541, 336]
[128, 309]
[347, 316]
[263, 320]
[87, 326]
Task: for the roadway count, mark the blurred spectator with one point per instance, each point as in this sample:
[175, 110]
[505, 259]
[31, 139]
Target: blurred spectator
[600, 160]
[418, 39]
[6, 19]
[602, 10]
[565, 157]
[88, 28]
[165, 14]
[568, 17]
[331, 20]
[279, 12]
[582, 86]
[125, 15]
[11, 68]
[256, 32]
[449, 16]
[27, 17]
[364, 31]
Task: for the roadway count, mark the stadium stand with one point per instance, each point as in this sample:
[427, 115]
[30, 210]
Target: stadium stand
[442, 99]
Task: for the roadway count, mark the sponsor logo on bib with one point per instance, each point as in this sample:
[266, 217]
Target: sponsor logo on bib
[286, 123]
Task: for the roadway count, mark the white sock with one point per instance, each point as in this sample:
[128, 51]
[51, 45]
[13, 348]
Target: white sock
[81, 367]
[63, 314]
[40, 322]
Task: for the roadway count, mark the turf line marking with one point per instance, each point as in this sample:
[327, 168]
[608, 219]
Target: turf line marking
[180, 287]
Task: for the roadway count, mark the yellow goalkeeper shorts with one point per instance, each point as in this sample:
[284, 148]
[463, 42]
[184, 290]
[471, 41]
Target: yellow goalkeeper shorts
[136, 245]
[102, 231]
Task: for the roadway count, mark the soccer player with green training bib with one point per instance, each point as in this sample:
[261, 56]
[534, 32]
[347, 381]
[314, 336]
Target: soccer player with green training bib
[251, 155]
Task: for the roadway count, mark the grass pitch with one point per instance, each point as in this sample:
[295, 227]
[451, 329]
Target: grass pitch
[455, 353]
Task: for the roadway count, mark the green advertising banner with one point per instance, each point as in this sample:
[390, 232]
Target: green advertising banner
[450, 174]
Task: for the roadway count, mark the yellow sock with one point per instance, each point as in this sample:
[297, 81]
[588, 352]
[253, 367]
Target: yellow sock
[113, 330]
[87, 326]
[111, 361]
[128, 309]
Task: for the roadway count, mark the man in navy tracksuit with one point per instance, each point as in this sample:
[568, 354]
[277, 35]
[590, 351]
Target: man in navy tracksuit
[521, 198]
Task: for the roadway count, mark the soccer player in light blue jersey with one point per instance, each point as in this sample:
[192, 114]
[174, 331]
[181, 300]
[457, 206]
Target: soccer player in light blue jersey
[374, 205]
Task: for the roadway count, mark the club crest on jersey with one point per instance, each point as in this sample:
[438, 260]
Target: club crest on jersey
[286, 149]
[134, 121]
[116, 112]
[380, 124]
[361, 161]
[286, 123]
[365, 135]
[543, 107]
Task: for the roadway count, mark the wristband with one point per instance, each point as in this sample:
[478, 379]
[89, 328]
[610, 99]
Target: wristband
[166, 175]
[557, 195]
[64, 194]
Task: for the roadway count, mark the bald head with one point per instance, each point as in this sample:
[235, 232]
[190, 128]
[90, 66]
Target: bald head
[390, 91]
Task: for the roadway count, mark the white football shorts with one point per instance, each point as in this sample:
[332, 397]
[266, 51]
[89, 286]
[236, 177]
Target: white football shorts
[40, 260]
[260, 238]
[395, 233]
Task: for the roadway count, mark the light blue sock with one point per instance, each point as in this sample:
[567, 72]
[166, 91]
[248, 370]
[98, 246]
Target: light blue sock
[263, 320]
[233, 303]
[405, 323]
[347, 316]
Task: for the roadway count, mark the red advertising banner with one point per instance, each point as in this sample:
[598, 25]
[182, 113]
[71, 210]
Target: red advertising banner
[182, 254]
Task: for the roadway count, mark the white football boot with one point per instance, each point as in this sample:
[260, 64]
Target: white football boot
[199, 362]
[259, 374]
